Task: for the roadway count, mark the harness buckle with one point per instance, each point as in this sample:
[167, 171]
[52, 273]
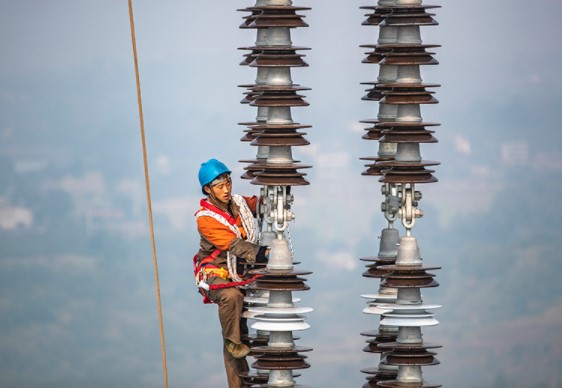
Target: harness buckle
[201, 279]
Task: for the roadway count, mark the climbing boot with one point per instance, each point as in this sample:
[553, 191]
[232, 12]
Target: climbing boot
[237, 350]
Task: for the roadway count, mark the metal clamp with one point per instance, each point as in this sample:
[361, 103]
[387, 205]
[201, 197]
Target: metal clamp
[281, 213]
[392, 202]
[409, 211]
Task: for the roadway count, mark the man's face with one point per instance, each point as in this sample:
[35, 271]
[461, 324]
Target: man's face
[221, 188]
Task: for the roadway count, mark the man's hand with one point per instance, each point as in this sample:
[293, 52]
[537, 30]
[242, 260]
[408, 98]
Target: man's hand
[263, 255]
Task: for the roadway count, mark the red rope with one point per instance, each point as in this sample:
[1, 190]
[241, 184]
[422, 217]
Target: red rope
[233, 284]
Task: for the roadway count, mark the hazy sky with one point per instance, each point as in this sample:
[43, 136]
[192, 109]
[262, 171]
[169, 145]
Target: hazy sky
[66, 80]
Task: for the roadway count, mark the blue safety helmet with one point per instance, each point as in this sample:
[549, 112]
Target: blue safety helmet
[209, 171]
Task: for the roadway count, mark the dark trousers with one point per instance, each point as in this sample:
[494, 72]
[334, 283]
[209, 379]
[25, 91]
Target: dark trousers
[230, 302]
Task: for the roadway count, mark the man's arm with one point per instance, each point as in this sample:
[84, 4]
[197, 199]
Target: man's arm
[224, 239]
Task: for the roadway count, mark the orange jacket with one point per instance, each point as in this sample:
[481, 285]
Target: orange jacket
[215, 235]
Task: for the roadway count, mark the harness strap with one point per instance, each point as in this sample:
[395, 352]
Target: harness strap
[205, 268]
[226, 219]
[205, 204]
[234, 284]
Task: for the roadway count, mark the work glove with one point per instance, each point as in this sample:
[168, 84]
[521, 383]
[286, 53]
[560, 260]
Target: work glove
[263, 255]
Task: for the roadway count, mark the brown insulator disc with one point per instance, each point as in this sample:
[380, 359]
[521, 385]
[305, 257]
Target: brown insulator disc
[402, 93]
[369, 121]
[374, 271]
[278, 350]
[250, 18]
[279, 99]
[275, 48]
[288, 168]
[377, 54]
[278, 19]
[280, 8]
[404, 124]
[409, 280]
[377, 16]
[370, 333]
[408, 59]
[278, 59]
[375, 169]
[281, 285]
[281, 362]
[370, 370]
[255, 91]
[408, 97]
[376, 93]
[382, 337]
[408, 175]
[407, 55]
[403, 85]
[249, 97]
[397, 48]
[278, 88]
[406, 165]
[250, 379]
[278, 139]
[250, 123]
[278, 16]
[410, 346]
[373, 133]
[373, 94]
[405, 7]
[282, 272]
[281, 280]
[249, 135]
[249, 58]
[408, 137]
[292, 386]
[265, 125]
[374, 343]
[378, 374]
[422, 358]
[254, 340]
[253, 167]
[381, 375]
[398, 384]
[409, 16]
[280, 178]
[253, 86]
[379, 260]
[372, 170]
[412, 268]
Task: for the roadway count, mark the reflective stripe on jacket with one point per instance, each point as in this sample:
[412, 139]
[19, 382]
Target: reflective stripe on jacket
[215, 235]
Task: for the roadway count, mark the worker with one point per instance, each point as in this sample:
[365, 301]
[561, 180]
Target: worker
[226, 224]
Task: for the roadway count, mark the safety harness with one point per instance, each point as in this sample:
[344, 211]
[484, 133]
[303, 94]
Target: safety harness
[206, 268]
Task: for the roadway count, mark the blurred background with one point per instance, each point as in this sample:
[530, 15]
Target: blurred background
[77, 300]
